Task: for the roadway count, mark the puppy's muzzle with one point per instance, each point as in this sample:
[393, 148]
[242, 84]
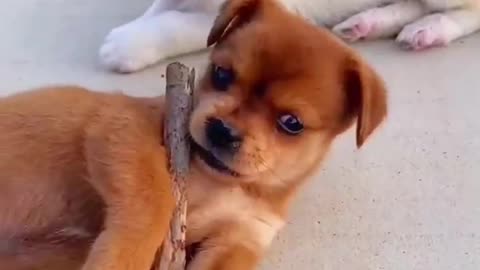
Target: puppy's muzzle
[222, 136]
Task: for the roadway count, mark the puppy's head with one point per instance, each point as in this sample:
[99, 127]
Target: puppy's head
[277, 92]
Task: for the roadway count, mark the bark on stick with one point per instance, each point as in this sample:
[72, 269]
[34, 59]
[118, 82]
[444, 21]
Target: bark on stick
[179, 98]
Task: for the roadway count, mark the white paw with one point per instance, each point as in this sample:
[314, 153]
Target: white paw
[360, 26]
[131, 47]
[431, 31]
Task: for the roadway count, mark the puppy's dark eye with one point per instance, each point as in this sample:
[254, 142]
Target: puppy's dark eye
[222, 78]
[290, 124]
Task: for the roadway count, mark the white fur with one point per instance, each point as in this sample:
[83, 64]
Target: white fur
[237, 207]
[173, 27]
[438, 29]
[379, 22]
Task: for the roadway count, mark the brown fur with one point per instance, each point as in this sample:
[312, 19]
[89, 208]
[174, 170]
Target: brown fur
[83, 178]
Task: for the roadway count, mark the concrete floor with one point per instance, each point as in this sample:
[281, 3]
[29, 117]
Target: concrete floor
[408, 201]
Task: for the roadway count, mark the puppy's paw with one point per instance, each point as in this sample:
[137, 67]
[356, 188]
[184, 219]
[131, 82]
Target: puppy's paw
[131, 47]
[357, 27]
[431, 31]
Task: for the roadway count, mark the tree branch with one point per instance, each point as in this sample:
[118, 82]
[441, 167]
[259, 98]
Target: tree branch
[179, 94]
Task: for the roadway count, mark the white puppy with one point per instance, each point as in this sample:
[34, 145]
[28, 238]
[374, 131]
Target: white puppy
[172, 27]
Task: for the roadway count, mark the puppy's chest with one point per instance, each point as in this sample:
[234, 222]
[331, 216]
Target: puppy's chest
[213, 210]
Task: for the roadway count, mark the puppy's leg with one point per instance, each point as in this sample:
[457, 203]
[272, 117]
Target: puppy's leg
[150, 39]
[127, 167]
[439, 29]
[379, 22]
[235, 257]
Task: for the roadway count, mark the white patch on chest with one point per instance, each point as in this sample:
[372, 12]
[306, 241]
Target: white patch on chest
[233, 206]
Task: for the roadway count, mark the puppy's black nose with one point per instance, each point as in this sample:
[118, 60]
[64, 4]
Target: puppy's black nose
[221, 135]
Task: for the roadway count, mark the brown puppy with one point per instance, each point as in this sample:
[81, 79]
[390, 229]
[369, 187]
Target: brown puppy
[83, 179]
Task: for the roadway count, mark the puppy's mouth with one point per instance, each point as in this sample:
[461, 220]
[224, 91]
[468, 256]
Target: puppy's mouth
[210, 159]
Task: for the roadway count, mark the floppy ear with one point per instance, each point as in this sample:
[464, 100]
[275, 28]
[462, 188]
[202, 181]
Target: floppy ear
[367, 98]
[232, 14]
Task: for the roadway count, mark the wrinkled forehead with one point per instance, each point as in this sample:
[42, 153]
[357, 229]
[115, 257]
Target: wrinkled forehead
[255, 53]
[269, 50]
[294, 72]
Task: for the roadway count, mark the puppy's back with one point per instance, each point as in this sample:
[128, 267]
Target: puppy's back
[43, 169]
[42, 125]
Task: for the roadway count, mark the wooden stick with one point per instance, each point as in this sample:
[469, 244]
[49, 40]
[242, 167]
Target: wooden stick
[179, 94]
